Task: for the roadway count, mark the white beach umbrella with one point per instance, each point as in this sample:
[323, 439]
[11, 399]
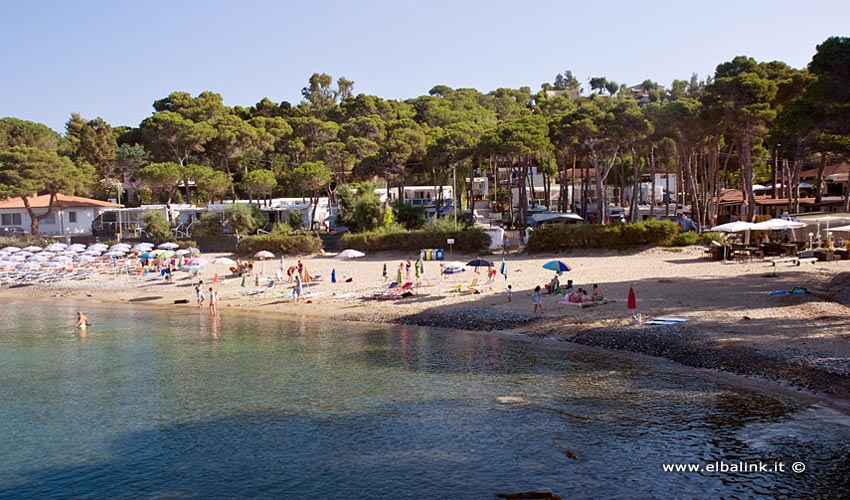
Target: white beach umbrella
[777, 225]
[264, 254]
[87, 258]
[349, 254]
[31, 266]
[56, 246]
[25, 253]
[41, 257]
[114, 253]
[54, 264]
[734, 227]
[224, 260]
[98, 246]
[168, 246]
[182, 251]
[11, 249]
[32, 248]
[142, 247]
[17, 258]
[841, 228]
[78, 246]
[61, 258]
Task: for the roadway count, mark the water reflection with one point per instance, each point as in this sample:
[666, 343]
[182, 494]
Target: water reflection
[238, 406]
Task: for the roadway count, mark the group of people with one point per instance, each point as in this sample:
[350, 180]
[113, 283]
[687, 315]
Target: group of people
[580, 295]
[199, 291]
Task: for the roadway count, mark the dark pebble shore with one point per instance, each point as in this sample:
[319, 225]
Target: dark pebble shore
[677, 343]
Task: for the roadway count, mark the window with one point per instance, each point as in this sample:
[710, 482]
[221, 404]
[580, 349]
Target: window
[10, 219]
[50, 219]
[72, 216]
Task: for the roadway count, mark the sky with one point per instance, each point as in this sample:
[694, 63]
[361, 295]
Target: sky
[113, 59]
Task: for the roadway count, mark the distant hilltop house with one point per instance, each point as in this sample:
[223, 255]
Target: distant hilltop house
[643, 95]
[71, 215]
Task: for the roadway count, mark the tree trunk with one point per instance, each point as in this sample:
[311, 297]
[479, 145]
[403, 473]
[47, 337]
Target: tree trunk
[747, 176]
[633, 202]
[819, 181]
[652, 200]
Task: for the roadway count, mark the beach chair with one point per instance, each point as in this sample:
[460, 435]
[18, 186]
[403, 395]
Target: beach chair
[457, 289]
[473, 286]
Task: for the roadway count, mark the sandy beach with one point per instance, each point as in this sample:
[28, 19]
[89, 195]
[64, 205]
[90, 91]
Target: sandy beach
[734, 322]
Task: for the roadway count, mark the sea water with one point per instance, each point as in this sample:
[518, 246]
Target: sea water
[180, 403]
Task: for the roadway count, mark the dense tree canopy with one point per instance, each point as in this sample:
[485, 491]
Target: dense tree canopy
[727, 130]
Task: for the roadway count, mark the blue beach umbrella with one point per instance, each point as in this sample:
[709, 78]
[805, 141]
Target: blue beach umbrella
[333, 275]
[503, 269]
[557, 266]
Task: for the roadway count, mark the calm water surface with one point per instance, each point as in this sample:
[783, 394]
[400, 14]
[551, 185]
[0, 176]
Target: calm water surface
[158, 403]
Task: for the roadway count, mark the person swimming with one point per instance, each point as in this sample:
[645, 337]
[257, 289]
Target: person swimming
[82, 321]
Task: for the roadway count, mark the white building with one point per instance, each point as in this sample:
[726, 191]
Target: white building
[71, 215]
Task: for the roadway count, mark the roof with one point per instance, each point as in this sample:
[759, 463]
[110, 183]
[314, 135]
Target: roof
[62, 201]
[838, 168]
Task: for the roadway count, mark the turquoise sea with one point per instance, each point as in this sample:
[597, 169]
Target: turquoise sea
[176, 403]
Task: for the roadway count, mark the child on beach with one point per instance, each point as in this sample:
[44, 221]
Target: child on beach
[510, 294]
[199, 292]
[535, 297]
[213, 301]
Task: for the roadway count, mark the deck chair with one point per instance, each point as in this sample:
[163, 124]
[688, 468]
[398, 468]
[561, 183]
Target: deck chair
[457, 289]
[473, 286]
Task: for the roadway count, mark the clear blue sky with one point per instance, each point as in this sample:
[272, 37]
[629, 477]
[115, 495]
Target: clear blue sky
[114, 58]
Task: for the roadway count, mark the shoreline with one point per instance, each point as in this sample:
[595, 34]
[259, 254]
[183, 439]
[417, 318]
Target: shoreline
[795, 342]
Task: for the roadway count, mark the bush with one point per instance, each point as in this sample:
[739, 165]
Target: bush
[208, 226]
[157, 226]
[294, 243]
[409, 216]
[611, 236]
[473, 240]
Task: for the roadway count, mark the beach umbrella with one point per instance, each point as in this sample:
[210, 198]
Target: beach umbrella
[264, 254]
[16, 258]
[416, 270]
[31, 266]
[142, 247]
[479, 263]
[193, 250]
[11, 249]
[557, 266]
[87, 258]
[398, 276]
[841, 228]
[54, 264]
[197, 261]
[282, 264]
[165, 255]
[41, 257]
[114, 253]
[32, 248]
[146, 255]
[224, 260]
[25, 253]
[734, 227]
[77, 247]
[632, 302]
[182, 251]
[349, 254]
[777, 225]
[333, 275]
[503, 269]
[168, 246]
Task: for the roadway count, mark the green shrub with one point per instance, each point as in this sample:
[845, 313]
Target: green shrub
[707, 237]
[157, 226]
[611, 236]
[684, 239]
[410, 216]
[25, 241]
[303, 243]
[208, 226]
[473, 240]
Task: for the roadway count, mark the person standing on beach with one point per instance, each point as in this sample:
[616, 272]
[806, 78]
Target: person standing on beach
[296, 290]
[506, 245]
[213, 301]
[199, 292]
[385, 272]
[510, 294]
[535, 297]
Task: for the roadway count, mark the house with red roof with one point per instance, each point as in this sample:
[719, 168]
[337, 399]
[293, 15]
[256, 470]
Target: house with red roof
[71, 216]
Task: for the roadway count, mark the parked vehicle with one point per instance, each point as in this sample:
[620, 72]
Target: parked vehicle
[13, 231]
